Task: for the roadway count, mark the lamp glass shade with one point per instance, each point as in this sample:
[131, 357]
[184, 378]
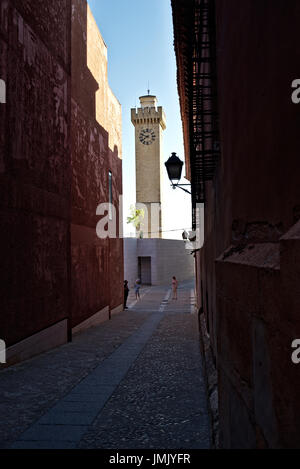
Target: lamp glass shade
[174, 167]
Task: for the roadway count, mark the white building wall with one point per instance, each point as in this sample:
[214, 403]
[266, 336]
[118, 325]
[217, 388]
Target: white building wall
[168, 258]
[130, 260]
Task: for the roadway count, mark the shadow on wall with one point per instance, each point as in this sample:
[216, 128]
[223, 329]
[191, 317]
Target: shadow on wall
[97, 265]
[84, 85]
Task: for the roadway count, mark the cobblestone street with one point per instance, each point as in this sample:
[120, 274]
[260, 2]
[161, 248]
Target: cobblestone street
[133, 382]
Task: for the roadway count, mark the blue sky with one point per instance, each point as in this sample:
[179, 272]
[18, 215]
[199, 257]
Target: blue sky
[139, 38]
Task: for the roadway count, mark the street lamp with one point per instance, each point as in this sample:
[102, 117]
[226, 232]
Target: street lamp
[174, 168]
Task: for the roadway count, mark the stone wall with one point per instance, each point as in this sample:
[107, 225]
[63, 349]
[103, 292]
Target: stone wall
[258, 381]
[60, 135]
[250, 295]
[97, 265]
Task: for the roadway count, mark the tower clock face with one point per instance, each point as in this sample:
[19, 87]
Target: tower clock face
[147, 136]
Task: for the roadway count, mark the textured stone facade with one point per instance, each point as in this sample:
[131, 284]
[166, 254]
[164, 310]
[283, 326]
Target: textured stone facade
[35, 171]
[250, 206]
[59, 138]
[97, 265]
[247, 271]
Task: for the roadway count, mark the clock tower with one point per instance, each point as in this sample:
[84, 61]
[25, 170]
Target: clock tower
[149, 122]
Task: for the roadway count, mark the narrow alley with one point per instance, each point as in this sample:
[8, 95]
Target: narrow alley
[133, 382]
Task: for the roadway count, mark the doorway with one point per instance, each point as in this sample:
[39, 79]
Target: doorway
[145, 270]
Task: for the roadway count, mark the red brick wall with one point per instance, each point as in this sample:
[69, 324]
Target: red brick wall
[34, 166]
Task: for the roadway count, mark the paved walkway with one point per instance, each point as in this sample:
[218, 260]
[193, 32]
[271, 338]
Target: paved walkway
[133, 382]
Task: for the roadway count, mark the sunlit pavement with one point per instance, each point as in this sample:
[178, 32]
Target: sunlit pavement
[133, 382]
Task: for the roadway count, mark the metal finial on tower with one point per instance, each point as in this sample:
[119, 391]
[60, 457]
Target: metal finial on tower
[148, 88]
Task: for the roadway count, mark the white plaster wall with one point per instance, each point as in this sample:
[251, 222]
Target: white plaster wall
[130, 260]
[168, 258]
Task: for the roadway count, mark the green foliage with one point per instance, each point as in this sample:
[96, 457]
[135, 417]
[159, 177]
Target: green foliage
[136, 217]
